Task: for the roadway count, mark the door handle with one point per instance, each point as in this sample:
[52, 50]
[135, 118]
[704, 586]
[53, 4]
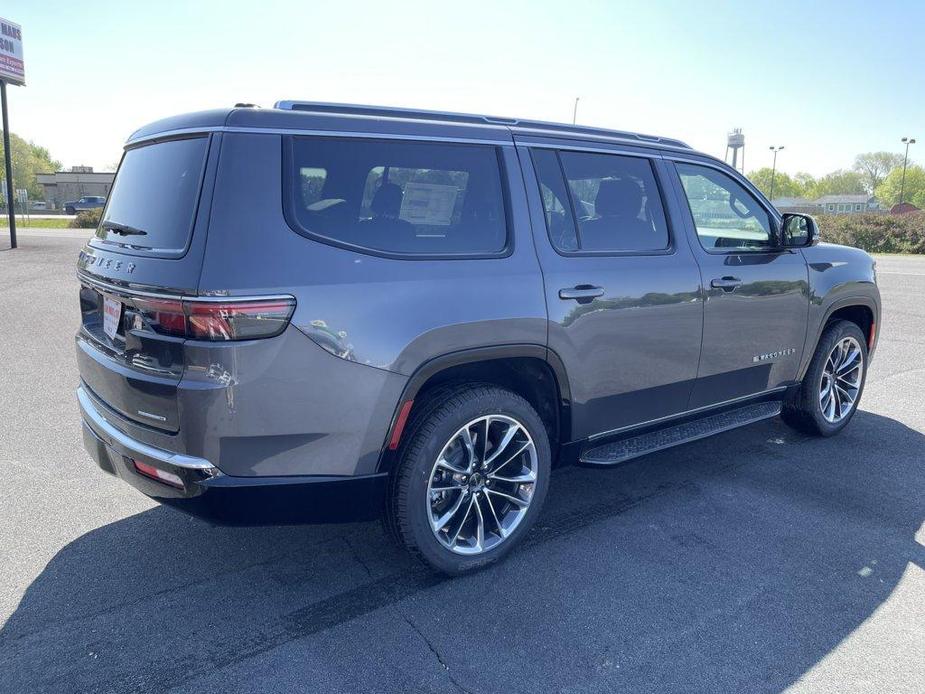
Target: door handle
[583, 293]
[727, 284]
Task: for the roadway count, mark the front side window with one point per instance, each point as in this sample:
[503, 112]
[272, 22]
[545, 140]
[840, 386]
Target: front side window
[726, 215]
[407, 198]
[613, 200]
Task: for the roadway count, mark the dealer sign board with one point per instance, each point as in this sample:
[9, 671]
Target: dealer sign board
[12, 69]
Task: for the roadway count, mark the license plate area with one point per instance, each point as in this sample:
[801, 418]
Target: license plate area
[112, 316]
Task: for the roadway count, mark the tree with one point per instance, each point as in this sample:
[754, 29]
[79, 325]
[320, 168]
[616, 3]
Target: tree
[29, 159]
[784, 186]
[839, 182]
[805, 181]
[874, 167]
[888, 191]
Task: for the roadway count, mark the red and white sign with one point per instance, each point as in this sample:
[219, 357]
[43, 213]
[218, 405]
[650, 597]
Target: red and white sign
[12, 68]
[112, 316]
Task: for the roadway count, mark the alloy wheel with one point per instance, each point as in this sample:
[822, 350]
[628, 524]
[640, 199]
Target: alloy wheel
[841, 380]
[481, 484]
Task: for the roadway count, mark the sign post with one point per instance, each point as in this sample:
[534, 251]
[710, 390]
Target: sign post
[12, 71]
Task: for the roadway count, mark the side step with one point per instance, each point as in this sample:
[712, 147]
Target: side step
[635, 446]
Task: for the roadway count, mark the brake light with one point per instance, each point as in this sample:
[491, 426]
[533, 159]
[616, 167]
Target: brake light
[217, 320]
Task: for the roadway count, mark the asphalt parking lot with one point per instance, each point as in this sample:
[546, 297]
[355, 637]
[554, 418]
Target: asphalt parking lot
[758, 560]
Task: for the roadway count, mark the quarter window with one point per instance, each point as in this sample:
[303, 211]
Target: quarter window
[726, 215]
[611, 203]
[407, 198]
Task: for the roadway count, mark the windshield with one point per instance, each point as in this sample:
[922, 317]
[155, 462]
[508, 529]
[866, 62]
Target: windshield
[154, 196]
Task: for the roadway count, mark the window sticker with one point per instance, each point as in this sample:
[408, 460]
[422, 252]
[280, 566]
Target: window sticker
[428, 203]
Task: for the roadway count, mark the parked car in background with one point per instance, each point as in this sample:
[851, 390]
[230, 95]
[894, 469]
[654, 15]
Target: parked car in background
[328, 312]
[88, 202]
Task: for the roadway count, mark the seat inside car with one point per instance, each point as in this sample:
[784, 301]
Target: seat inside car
[385, 208]
[617, 206]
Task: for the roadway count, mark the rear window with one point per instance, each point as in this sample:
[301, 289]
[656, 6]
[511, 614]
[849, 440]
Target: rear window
[398, 197]
[153, 199]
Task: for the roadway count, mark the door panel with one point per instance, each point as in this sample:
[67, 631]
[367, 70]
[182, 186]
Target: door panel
[756, 296]
[627, 326]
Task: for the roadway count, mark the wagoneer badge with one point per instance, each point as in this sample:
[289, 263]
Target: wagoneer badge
[773, 355]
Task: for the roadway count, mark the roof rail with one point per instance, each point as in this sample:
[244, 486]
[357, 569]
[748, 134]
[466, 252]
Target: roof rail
[447, 116]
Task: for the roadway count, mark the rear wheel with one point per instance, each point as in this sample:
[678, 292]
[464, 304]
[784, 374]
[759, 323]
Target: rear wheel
[471, 479]
[829, 394]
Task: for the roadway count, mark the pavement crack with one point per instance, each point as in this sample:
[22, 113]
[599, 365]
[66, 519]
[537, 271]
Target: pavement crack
[356, 555]
[437, 655]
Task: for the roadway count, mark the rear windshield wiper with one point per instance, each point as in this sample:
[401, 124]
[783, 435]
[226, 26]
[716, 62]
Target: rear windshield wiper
[123, 229]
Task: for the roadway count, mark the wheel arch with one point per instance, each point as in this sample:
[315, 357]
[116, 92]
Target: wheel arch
[860, 310]
[533, 371]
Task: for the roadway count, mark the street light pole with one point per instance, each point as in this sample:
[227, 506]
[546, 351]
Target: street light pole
[774, 167]
[902, 186]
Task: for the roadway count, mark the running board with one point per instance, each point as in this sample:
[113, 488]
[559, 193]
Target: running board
[635, 446]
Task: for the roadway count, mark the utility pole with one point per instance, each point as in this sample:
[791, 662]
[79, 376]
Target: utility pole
[774, 167]
[575, 111]
[902, 186]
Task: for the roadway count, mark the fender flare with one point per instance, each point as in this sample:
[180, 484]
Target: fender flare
[432, 367]
[844, 302]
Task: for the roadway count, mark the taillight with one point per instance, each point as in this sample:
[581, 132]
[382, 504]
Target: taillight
[216, 320]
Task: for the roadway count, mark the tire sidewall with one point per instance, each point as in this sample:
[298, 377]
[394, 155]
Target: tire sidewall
[427, 442]
[813, 379]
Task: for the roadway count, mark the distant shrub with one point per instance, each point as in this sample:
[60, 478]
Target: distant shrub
[876, 233]
[88, 219]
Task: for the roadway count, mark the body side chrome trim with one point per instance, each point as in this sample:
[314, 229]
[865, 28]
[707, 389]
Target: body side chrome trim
[679, 415]
[91, 413]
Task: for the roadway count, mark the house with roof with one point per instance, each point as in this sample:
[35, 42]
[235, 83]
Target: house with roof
[796, 205]
[847, 204]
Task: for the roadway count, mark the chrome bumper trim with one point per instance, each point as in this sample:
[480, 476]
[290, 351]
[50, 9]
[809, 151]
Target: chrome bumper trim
[98, 420]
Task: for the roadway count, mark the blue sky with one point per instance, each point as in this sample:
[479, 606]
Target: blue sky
[825, 79]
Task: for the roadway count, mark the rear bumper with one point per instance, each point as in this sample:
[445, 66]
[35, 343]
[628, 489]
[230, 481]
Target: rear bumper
[208, 493]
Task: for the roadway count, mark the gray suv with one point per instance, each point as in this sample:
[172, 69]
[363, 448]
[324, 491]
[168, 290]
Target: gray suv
[347, 312]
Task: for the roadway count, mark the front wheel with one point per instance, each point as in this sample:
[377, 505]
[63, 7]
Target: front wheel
[829, 394]
[471, 479]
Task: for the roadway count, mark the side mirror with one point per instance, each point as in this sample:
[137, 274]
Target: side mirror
[798, 231]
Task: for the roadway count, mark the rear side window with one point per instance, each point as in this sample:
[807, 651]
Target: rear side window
[398, 197]
[606, 202]
[153, 199]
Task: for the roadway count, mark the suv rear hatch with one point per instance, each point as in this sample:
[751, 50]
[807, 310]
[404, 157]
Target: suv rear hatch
[145, 257]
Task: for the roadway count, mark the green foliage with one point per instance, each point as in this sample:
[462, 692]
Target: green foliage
[876, 233]
[839, 182]
[28, 160]
[874, 167]
[784, 185]
[88, 219]
[888, 191]
[805, 181]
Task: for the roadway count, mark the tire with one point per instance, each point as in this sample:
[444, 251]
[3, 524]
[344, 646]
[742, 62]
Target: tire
[422, 492]
[804, 410]
[69, 210]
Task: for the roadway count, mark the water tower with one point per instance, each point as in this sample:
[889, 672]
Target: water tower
[736, 141]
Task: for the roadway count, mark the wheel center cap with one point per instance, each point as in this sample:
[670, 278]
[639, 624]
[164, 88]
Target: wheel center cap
[476, 481]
